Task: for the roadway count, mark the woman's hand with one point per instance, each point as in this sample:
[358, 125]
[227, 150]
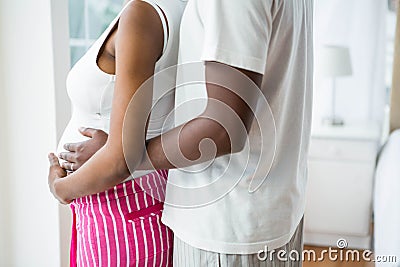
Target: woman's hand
[79, 153]
[56, 173]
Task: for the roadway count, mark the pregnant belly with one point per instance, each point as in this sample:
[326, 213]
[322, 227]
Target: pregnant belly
[72, 135]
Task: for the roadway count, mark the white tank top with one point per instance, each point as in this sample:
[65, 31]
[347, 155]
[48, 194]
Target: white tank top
[91, 89]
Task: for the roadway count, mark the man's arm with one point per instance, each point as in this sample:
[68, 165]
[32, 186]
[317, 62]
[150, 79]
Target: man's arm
[199, 140]
[220, 130]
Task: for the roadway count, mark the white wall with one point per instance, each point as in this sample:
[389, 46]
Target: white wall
[4, 196]
[29, 215]
[60, 33]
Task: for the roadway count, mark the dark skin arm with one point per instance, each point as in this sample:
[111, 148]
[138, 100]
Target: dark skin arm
[220, 130]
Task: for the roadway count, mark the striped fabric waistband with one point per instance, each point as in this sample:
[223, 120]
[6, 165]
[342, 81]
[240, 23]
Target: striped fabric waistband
[153, 184]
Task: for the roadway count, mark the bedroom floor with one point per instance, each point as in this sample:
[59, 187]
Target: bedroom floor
[328, 263]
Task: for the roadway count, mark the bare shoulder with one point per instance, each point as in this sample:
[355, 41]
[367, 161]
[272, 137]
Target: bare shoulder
[140, 27]
[140, 14]
[140, 37]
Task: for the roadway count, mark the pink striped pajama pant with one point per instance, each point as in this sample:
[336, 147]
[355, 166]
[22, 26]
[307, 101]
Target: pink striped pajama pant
[122, 226]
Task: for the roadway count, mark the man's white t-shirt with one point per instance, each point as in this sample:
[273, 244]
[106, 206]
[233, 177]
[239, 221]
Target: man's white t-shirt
[223, 205]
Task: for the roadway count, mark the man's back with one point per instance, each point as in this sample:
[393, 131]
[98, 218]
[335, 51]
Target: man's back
[254, 198]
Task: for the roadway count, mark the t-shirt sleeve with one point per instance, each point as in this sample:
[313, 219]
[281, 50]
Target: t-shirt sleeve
[237, 33]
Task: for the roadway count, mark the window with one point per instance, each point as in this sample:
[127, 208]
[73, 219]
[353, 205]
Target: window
[87, 21]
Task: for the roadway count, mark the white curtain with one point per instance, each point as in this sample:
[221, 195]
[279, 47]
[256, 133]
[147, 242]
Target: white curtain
[359, 25]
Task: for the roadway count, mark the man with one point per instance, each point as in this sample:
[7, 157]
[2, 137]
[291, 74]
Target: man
[244, 194]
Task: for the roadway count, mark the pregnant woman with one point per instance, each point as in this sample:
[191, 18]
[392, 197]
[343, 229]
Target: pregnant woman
[116, 223]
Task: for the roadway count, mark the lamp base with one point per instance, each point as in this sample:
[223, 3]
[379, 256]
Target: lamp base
[333, 121]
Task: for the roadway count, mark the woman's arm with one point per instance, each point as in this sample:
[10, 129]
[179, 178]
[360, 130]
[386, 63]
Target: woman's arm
[138, 45]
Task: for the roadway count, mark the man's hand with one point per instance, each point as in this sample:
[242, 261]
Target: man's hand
[55, 173]
[79, 153]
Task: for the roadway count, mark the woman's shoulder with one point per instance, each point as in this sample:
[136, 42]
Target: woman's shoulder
[140, 18]
[139, 12]
[147, 8]
[140, 31]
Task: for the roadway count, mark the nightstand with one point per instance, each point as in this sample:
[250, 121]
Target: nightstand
[341, 168]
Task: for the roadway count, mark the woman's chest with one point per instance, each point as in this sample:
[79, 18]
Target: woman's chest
[89, 88]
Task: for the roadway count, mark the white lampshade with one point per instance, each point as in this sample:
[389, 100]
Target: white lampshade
[334, 61]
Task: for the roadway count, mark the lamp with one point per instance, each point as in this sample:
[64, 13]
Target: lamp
[335, 62]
